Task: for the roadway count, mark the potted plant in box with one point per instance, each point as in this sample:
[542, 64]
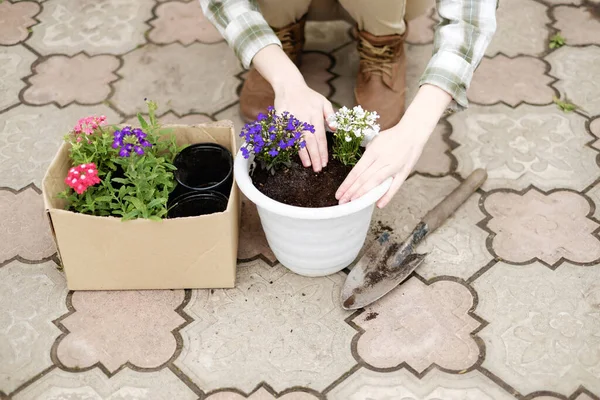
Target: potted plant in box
[142, 173]
[307, 230]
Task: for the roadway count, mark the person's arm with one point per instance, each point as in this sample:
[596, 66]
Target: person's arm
[460, 41]
[254, 42]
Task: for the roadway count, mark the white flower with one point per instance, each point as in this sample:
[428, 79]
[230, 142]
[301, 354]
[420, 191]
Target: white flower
[348, 138]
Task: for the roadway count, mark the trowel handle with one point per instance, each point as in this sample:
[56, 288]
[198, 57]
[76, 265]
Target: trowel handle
[438, 215]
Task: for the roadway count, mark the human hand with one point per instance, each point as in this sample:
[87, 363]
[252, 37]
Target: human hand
[313, 108]
[395, 151]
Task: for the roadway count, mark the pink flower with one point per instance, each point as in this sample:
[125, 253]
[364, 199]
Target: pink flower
[88, 125]
[82, 177]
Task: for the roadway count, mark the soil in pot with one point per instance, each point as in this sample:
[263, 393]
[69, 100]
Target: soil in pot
[300, 186]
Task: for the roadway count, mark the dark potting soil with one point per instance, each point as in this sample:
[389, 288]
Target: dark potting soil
[300, 186]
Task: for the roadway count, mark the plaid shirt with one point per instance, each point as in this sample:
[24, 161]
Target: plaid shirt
[461, 38]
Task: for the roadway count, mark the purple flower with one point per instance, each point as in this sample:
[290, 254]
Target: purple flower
[245, 152]
[261, 117]
[128, 140]
[302, 144]
[273, 152]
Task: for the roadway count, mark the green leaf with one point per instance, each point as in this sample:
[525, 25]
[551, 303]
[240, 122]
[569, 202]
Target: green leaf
[154, 218]
[121, 180]
[131, 215]
[143, 122]
[101, 199]
[156, 202]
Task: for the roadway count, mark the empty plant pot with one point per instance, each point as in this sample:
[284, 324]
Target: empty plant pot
[205, 167]
[193, 204]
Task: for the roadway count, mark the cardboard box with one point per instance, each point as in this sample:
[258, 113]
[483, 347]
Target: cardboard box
[105, 253]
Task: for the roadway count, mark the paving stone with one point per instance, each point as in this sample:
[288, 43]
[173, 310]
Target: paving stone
[436, 385]
[579, 75]
[94, 385]
[275, 327]
[205, 83]
[116, 327]
[25, 231]
[261, 394]
[577, 25]
[524, 146]
[102, 26]
[184, 23]
[15, 64]
[543, 324]
[326, 35]
[65, 80]
[31, 297]
[434, 159]
[545, 227]
[15, 19]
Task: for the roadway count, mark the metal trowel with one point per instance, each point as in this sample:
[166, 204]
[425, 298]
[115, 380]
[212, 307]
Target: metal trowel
[386, 264]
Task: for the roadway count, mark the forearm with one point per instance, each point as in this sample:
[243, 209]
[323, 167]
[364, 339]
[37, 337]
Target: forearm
[277, 68]
[425, 111]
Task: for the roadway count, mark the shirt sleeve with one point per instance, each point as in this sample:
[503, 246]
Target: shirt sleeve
[461, 39]
[242, 25]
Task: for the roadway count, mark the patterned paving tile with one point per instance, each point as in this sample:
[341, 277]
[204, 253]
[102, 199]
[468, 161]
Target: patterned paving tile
[523, 146]
[252, 238]
[577, 25]
[419, 325]
[103, 26]
[326, 35]
[275, 326]
[557, 2]
[314, 69]
[184, 23]
[420, 29]
[579, 76]
[205, 83]
[30, 137]
[64, 79]
[114, 328]
[434, 159]
[512, 81]
[15, 18]
[543, 324]
[261, 394]
[31, 297]
[547, 227]
[15, 64]
[126, 385]
[436, 385]
[418, 57]
[25, 231]
[522, 32]
[595, 128]
[457, 248]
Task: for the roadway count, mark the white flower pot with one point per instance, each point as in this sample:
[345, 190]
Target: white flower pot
[311, 241]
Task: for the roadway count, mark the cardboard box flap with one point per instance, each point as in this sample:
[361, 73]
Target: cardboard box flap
[54, 179]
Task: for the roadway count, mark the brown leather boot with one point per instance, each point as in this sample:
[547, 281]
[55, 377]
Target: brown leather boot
[381, 80]
[257, 94]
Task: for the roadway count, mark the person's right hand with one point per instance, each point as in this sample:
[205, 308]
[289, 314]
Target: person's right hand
[311, 107]
[292, 94]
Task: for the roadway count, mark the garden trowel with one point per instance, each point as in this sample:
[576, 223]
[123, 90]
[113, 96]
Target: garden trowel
[386, 263]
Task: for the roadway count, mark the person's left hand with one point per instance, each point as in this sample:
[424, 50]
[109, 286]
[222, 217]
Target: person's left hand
[393, 153]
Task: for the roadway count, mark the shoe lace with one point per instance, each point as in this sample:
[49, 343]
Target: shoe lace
[376, 59]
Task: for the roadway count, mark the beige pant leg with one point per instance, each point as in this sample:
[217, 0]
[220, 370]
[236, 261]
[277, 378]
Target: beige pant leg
[378, 17]
[280, 13]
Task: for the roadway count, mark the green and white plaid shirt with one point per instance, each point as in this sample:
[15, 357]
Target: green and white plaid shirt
[461, 38]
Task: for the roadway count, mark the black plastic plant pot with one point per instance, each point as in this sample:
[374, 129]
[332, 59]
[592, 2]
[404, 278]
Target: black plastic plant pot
[194, 204]
[205, 167]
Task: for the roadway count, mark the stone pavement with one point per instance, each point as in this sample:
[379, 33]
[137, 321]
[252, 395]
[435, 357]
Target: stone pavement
[507, 305]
